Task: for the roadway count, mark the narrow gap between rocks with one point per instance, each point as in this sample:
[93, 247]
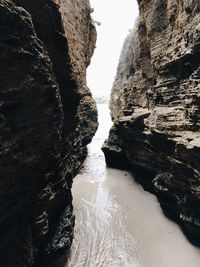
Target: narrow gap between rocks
[117, 222]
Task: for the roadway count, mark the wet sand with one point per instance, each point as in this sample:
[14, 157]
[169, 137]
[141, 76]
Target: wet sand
[118, 224]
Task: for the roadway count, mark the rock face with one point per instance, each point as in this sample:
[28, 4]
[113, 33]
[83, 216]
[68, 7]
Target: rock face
[45, 104]
[155, 106]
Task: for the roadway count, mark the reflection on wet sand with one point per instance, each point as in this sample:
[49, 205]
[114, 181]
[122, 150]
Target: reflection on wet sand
[118, 224]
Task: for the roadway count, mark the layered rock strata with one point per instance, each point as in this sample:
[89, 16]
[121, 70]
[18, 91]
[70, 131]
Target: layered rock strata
[45, 104]
[155, 106]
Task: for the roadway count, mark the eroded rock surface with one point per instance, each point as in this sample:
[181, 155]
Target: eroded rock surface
[44, 127]
[155, 105]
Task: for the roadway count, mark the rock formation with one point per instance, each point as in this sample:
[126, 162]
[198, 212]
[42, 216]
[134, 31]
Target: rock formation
[155, 106]
[46, 46]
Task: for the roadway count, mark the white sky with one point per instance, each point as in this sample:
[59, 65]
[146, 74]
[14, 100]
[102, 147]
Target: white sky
[117, 18]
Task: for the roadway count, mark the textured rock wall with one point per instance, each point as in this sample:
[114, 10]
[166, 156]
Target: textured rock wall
[45, 104]
[155, 106]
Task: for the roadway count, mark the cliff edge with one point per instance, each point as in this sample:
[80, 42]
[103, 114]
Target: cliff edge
[155, 107]
[46, 46]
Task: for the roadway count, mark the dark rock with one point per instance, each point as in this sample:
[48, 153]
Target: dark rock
[44, 110]
[113, 149]
[157, 82]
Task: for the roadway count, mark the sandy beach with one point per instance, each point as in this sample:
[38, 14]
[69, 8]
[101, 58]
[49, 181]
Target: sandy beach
[118, 224]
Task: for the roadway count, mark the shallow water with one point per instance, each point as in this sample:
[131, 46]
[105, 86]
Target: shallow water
[118, 224]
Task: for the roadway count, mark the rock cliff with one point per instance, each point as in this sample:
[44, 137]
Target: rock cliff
[155, 106]
[46, 46]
